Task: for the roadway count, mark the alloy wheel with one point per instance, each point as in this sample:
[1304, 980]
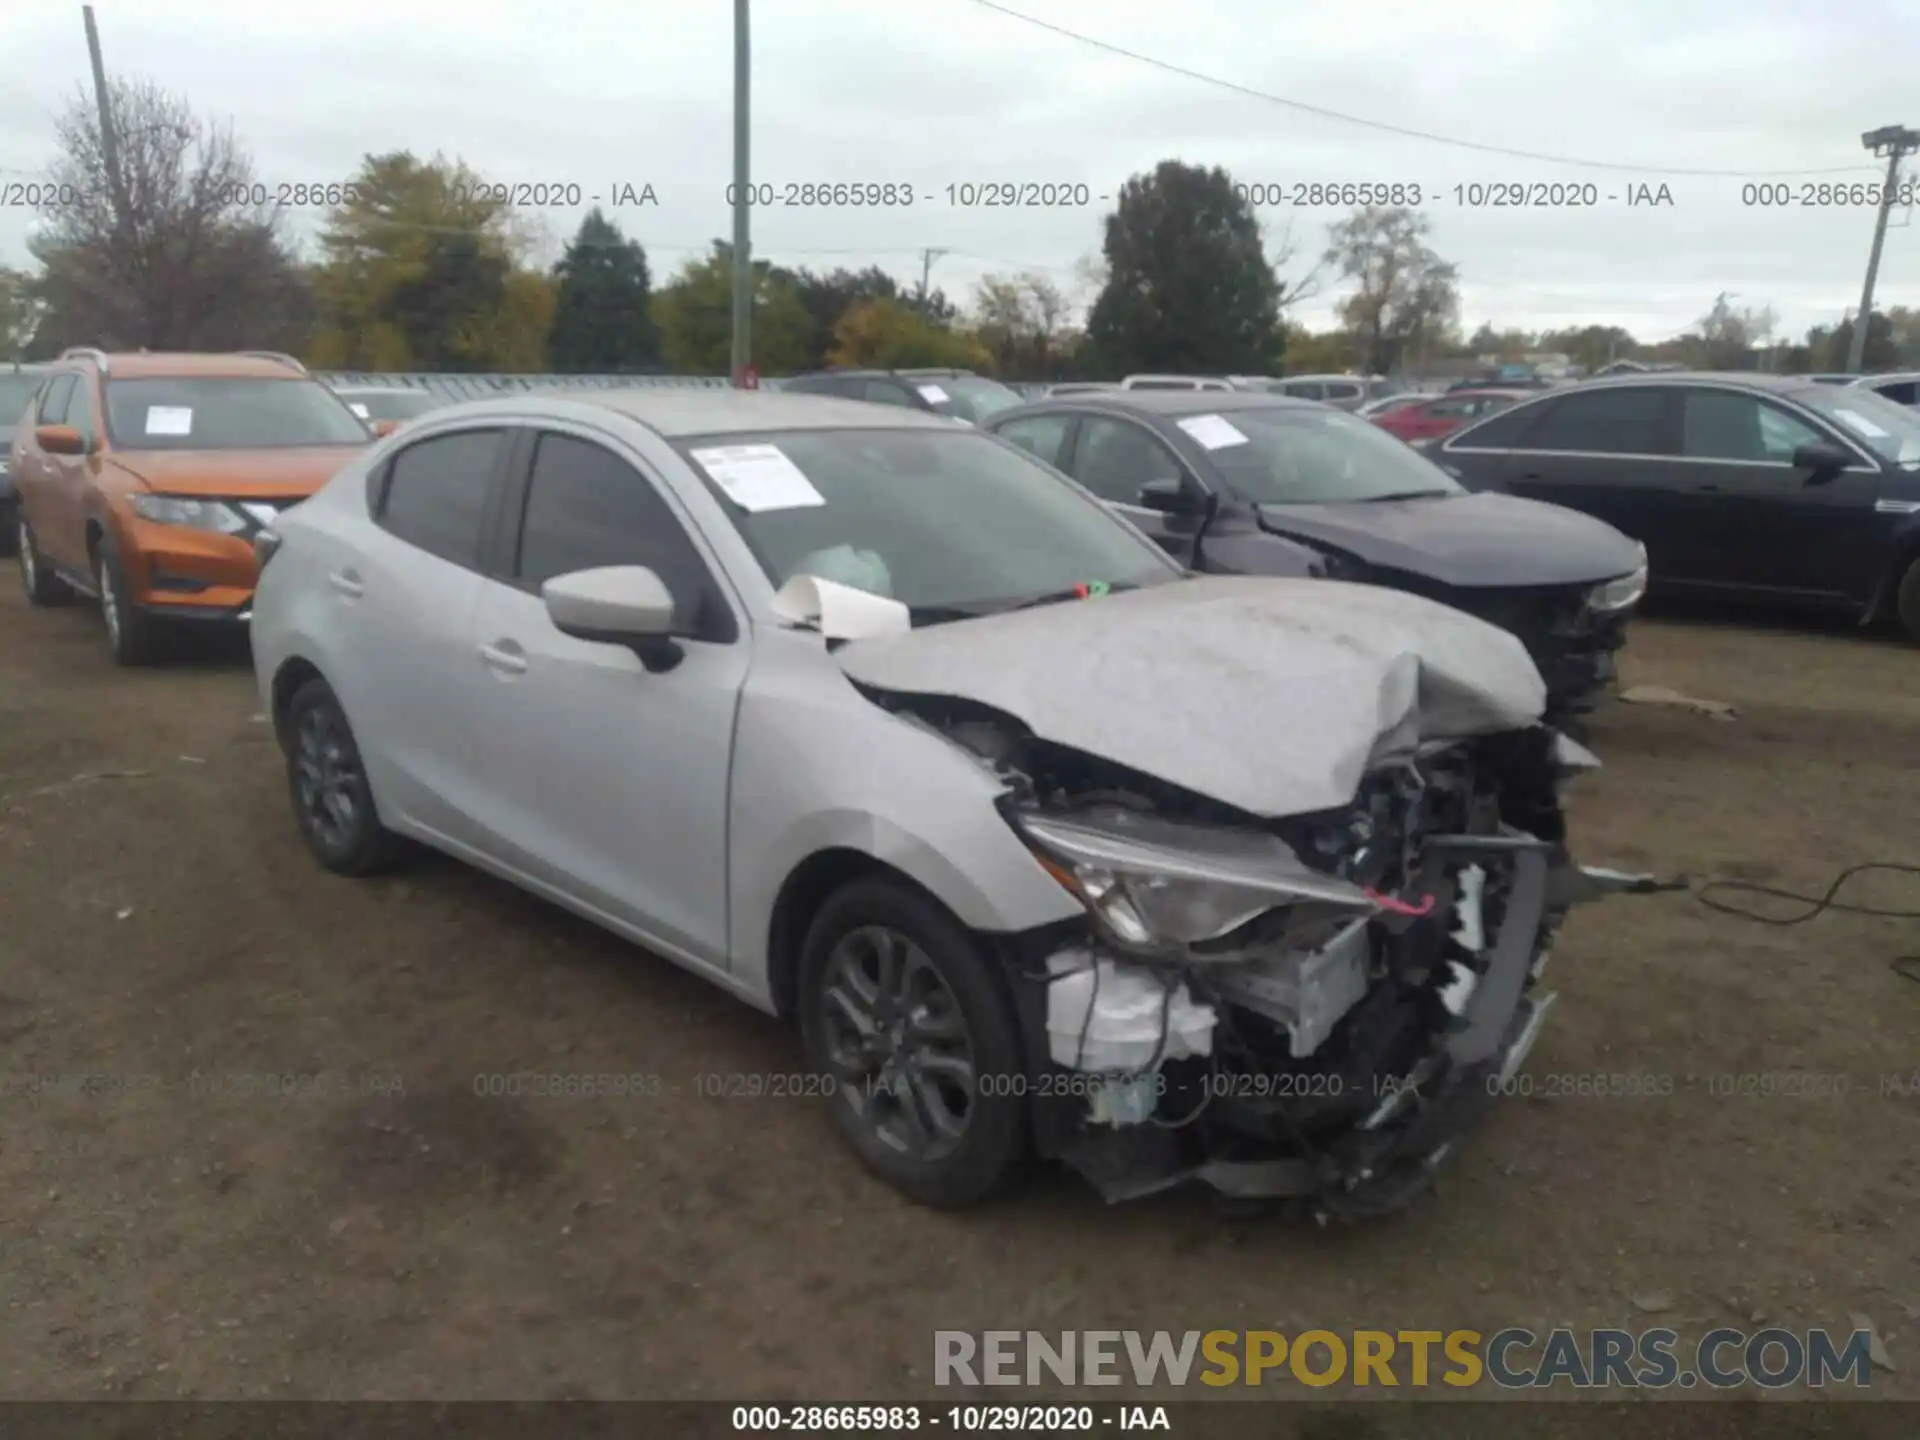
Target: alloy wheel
[900, 1045]
[326, 778]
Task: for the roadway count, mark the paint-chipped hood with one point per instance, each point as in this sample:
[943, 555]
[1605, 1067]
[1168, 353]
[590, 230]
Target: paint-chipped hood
[1271, 695]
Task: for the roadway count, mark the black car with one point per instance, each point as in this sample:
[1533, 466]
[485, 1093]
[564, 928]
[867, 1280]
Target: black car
[1776, 487]
[958, 393]
[1242, 484]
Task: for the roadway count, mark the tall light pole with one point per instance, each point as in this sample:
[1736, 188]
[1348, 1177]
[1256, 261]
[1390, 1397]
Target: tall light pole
[109, 141]
[1894, 142]
[742, 196]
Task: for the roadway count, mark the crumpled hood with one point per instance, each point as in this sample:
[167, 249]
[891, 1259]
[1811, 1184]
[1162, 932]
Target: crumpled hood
[1271, 695]
[1471, 541]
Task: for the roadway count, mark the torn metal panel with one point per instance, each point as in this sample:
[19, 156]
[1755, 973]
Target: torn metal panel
[1273, 696]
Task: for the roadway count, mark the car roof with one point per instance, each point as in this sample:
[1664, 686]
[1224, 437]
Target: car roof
[677, 412]
[166, 365]
[381, 390]
[1890, 377]
[1167, 402]
[859, 371]
[1742, 379]
[1356, 379]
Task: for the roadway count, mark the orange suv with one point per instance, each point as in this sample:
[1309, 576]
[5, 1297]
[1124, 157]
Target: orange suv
[143, 480]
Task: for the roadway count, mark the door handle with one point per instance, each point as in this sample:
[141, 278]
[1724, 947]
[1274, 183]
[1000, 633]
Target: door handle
[505, 656]
[347, 582]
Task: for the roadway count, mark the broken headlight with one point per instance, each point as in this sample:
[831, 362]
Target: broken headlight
[1155, 886]
[1612, 595]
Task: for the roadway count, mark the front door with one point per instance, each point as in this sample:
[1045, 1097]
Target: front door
[597, 777]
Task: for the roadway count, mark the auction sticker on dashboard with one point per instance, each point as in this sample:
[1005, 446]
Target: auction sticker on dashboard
[1213, 431]
[932, 394]
[357, 408]
[758, 477]
[169, 420]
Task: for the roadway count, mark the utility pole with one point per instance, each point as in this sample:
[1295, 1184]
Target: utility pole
[742, 197]
[1895, 142]
[927, 257]
[109, 142]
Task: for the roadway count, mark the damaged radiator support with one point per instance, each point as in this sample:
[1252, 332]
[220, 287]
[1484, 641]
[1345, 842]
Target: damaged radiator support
[1121, 1023]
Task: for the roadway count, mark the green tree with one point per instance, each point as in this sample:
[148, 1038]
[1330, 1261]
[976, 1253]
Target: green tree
[892, 334]
[1188, 285]
[829, 295]
[420, 260]
[695, 316]
[1406, 302]
[603, 316]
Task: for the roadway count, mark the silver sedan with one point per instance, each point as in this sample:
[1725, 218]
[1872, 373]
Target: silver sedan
[883, 725]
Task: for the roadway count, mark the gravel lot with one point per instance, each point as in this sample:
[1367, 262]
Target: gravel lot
[390, 1233]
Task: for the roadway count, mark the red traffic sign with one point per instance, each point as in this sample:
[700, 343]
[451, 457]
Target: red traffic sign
[747, 378]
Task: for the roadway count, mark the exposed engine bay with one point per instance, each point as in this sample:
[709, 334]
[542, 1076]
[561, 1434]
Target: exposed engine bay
[1312, 1007]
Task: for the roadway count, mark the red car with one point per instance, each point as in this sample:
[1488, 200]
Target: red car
[1444, 414]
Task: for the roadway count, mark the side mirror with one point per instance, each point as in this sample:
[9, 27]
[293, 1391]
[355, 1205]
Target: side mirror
[616, 605]
[1169, 497]
[384, 428]
[59, 440]
[1822, 461]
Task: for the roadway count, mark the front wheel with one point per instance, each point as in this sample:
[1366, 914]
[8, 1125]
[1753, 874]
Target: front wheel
[900, 1006]
[132, 634]
[332, 801]
[1906, 600]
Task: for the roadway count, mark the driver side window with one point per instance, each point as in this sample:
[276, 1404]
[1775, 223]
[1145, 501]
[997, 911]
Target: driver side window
[1115, 459]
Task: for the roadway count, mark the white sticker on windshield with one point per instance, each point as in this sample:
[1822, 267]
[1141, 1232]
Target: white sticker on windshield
[169, 420]
[932, 394]
[1854, 420]
[758, 477]
[1212, 431]
[357, 408]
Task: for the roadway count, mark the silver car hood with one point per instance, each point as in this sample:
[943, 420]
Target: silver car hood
[1275, 696]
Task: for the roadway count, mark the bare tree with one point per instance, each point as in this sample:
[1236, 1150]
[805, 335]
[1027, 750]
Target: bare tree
[184, 252]
[1285, 253]
[20, 312]
[1408, 297]
[1021, 319]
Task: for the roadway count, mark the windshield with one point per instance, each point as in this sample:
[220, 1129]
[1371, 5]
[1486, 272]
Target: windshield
[15, 392]
[388, 404]
[1312, 456]
[946, 522]
[968, 396]
[1889, 429]
[227, 414]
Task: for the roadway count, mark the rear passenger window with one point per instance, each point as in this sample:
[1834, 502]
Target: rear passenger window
[1607, 421]
[1306, 390]
[1040, 435]
[885, 392]
[1504, 431]
[436, 493]
[588, 508]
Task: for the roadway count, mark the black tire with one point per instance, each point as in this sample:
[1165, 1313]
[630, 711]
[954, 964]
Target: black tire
[991, 1144]
[332, 802]
[1906, 600]
[43, 587]
[134, 637]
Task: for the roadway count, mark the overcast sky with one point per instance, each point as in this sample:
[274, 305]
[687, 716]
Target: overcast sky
[933, 93]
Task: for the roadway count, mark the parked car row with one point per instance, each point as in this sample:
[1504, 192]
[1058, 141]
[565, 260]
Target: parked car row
[1779, 488]
[1045, 840]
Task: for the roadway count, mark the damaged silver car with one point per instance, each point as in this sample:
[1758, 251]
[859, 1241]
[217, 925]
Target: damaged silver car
[1046, 845]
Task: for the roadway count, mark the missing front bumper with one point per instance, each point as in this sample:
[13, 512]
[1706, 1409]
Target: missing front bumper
[1250, 1149]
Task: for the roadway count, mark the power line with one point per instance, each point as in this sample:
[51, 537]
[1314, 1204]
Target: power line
[1408, 131]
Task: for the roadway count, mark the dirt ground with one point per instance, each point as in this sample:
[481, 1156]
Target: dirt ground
[390, 1233]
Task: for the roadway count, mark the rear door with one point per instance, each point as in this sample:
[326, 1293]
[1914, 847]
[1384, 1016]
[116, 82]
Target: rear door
[403, 601]
[56, 483]
[1745, 516]
[1605, 451]
[595, 776]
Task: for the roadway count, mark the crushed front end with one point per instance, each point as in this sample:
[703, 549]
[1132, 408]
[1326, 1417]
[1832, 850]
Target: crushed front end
[1314, 1008]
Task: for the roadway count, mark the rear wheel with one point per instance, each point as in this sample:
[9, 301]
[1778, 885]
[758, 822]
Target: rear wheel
[1906, 600]
[133, 635]
[903, 1018]
[43, 587]
[332, 800]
